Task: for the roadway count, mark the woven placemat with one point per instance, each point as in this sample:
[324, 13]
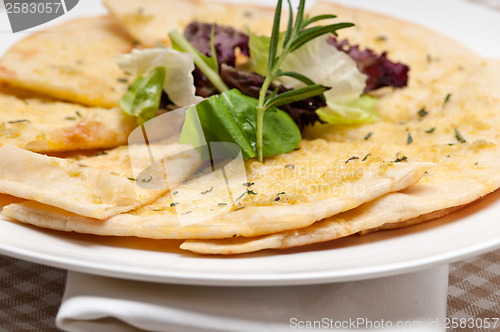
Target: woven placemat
[474, 291]
[30, 294]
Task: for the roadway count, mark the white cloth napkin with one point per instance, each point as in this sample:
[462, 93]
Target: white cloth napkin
[93, 303]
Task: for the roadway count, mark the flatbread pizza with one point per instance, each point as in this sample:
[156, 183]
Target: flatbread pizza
[41, 124]
[72, 62]
[429, 147]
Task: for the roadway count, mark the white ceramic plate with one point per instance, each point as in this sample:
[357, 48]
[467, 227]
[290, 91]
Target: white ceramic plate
[471, 231]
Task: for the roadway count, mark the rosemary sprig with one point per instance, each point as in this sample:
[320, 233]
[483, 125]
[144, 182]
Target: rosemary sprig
[297, 34]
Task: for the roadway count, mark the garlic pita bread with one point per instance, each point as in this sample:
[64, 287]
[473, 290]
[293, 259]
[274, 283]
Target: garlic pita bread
[41, 124]
[458, 129]
[145, 20]
[286, 192]
[97, 187]
[73, 61]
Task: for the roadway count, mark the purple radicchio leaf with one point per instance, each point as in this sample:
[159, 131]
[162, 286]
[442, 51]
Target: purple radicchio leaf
[226, 40]
[381, 71]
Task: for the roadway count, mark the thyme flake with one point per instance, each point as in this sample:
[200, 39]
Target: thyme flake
[459, 136]
[430, 131]
[148, 179]
[402, 159]
[446, 99]
[352, 158]
[409, 140]
[19, 121]
[422, 112]
[207, 191]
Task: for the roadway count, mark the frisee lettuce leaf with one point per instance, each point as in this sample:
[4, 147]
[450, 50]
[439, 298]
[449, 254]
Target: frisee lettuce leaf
[326, 65]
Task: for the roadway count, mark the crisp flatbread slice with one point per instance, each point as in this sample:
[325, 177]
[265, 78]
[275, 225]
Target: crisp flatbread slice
[286, 192]
[41, 124]
[73, 61]
[97, 187]
[450, 111]
[146, 20]
[404, 207]
[458, 129]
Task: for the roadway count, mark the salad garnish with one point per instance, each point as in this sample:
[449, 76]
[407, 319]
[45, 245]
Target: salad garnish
[290, 80]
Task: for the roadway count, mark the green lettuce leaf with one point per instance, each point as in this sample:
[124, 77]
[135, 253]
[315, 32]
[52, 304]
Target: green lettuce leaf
[178, 83]
[259, 52]
[143, 98]
[231, 117]
[349, 110]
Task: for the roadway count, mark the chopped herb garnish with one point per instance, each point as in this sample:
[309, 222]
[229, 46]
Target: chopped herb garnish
[174, 204]
[248, 184]
[290, 166]
[278, 196]
[352, 158]
[249, 192]
[70, 118]
[132, 179]
[207, 191]
[409, 140]
[78, 114]
[446, 99]
[240, 196]
[222, 204]
[367, 137]
[19, 121]
[369, 154]
[430, 131]
[235, 235]
[187, 212]
[148, 179]
[123, 79]
[175, 192]
[459, 136]
[381, 38]
[402, 159]
[422, 113]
